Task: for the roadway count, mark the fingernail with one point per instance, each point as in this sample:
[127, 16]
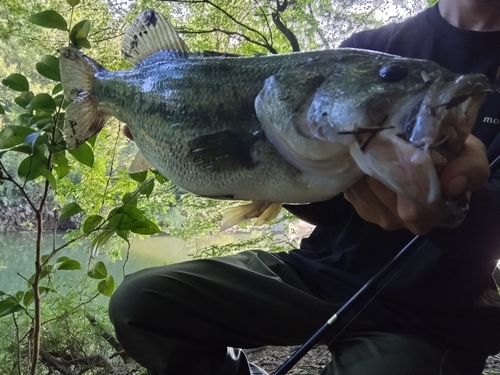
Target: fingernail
[457, 186]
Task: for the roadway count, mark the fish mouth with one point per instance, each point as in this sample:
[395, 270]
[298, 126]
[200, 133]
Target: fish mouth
[447, 112]
[437, 127]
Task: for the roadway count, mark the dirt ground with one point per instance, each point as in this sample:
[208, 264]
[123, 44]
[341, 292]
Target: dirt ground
[270, 358]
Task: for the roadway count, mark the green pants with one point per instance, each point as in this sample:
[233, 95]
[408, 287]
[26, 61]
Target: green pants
[171, 319]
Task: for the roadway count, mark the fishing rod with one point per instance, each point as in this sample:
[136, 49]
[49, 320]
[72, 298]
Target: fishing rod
[403, 257]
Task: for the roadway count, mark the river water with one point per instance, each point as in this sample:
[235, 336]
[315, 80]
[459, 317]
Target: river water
[17, 254]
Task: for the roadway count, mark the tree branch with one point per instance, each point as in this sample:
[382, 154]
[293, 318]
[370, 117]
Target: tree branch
[276, 16]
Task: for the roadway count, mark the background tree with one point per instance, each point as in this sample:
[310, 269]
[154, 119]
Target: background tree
[90, 184]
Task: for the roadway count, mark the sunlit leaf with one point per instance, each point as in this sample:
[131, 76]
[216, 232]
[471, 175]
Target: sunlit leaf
[17, 82]
[49, 67]
[49, 19]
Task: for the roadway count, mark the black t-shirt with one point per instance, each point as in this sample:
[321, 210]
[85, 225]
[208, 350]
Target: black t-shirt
[440, 292]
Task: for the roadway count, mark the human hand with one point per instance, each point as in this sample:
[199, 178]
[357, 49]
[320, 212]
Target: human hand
[376, 203]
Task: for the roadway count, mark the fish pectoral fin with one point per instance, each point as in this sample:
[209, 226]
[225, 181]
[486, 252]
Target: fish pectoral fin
[150, 33]
[227, 150]
[263, 212]
[139, 164]
[269, 214]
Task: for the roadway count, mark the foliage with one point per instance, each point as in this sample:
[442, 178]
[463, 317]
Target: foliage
[90, 185]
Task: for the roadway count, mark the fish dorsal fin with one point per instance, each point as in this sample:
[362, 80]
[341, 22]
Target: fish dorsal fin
[150, 33]
[139, 164]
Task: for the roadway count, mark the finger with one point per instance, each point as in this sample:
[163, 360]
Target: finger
[385, 195]
[467, 172]
[370, 208]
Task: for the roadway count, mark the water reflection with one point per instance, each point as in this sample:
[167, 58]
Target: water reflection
[17, 254]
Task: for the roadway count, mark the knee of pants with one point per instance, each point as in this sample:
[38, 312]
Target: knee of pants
[134, 299]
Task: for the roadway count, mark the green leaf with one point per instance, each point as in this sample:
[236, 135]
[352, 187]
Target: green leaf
[101, 240]
[49, 19]
[24, 99]
[79, 34]
[91, 223]
[61, 166]
[48, 176]
[57, 89]
[139, 176]
[70, 264]
[132, 212]
[148, 188]
[9, 306]
[150, 228]
[43, 102]
[49, 68]
[2, 110]
[35, 166]
[129, 199]
[12, 136]
[107, 286]
[17, 82]
[19, 296]
[28, 298]
[123, 234]
[69, 210]
[73, 3]
[84, 154]
[114, 221]
[98, 272]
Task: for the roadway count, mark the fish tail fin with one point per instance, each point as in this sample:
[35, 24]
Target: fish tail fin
[262, 212]
[83, 117]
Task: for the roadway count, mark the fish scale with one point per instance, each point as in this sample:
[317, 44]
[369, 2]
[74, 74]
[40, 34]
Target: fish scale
[290, 128]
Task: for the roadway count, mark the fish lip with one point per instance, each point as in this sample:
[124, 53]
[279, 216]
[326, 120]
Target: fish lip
[431, 120]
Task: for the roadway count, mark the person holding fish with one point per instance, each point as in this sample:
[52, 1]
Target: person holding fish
[398, 155]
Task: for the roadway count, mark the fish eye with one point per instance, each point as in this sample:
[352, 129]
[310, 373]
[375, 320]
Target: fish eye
[392, 73]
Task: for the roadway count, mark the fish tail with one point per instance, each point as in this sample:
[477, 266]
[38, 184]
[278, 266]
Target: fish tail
[83, 117]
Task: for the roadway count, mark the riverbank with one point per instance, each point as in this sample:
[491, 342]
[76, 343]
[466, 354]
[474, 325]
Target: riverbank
[271, 357]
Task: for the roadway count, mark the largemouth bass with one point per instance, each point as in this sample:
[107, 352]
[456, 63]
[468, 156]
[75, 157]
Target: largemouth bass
[289, 128]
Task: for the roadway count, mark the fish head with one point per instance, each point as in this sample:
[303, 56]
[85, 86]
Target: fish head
[412, 119]
[402, 120]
